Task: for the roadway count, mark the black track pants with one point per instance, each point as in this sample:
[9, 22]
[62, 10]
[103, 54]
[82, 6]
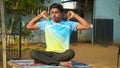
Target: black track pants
[52, 58]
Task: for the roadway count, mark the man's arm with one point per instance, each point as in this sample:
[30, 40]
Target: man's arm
[33, 23]
[83, 25]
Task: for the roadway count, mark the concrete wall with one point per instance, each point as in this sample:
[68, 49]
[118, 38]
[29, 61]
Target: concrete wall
[109, 9]
[86, 35]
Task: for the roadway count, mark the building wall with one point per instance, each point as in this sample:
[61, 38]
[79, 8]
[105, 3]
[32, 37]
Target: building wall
[86, 35]
[87, 14]
[109, 9]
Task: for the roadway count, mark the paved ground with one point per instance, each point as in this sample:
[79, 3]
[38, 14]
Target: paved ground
[96, 55]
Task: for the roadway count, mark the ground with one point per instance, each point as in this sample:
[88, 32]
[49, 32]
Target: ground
[97, 55]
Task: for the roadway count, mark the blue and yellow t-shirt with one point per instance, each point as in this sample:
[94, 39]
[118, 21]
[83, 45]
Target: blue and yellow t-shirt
[57, 35]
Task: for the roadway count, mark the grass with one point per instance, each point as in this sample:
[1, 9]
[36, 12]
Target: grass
[33, 47]
[26, 47]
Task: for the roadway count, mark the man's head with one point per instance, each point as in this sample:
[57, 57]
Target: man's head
[56, 12]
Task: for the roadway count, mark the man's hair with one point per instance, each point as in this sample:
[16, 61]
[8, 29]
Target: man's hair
[58, 6]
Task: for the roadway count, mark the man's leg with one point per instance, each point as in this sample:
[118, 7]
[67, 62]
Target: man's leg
[52, 58]
[65, 56]
[43, 57]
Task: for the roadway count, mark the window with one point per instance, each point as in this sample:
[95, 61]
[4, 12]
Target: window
[68, 4]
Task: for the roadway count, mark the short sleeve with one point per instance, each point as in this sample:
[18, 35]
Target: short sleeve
[73, 26]
[42, 25]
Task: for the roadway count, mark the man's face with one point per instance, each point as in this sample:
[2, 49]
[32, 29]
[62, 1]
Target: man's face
[56, 15]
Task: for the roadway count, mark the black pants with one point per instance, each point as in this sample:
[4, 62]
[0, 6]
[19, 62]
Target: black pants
[52, 58]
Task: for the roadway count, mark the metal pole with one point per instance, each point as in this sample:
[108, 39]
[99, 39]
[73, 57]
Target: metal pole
[118, 57]
[3, 33]
[20, 34]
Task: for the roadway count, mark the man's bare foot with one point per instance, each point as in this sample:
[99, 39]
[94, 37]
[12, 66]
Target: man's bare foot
[66, 63]
[35, 62]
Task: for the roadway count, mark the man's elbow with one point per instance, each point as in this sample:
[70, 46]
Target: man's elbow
[87, 27]
[32, 27]
[83, 27]
[28, 27]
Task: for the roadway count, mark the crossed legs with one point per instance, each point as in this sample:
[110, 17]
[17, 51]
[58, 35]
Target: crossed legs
[53, 58]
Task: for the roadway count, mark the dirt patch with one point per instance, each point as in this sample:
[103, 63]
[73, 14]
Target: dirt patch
[97, 55]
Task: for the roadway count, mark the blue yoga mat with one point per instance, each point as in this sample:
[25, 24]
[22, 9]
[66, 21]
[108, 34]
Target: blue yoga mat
[28, 64]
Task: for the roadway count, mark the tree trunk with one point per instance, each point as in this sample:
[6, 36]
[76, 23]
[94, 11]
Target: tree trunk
[13, 18]
[3, 34]
[11, 25]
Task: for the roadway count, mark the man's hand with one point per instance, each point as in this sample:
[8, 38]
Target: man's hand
[44, 14]
[70, 14]
[32, 24]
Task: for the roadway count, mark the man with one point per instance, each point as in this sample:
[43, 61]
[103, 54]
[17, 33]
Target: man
[57, 35]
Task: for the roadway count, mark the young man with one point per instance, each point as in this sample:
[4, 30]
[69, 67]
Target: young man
[57, 35]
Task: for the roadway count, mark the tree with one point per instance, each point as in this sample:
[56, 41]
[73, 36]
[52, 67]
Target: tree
[22, 8]
[18, 9]
[3, 33]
